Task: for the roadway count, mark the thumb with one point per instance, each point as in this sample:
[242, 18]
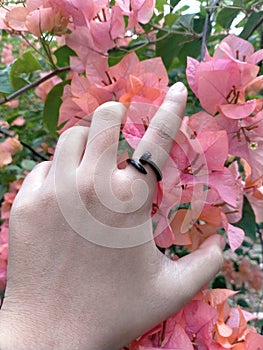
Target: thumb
[181, 280]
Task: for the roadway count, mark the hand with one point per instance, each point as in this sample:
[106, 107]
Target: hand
[84, 272]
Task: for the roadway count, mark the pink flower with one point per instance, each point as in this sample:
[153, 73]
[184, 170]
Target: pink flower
[7, 204]
[228, 78]
[246, 140]
[225, 83]
[137, 10]
[36, 17]
[98, 35]
[8, 148]
[77, 103]
[12, 104]
[19, 121]
[16, 18]
[238, 49]
[129, 81]
[46, 19]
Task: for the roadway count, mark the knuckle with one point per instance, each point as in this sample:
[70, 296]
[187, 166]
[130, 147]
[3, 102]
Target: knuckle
[73, 132]
[216, 256]
[162, 131]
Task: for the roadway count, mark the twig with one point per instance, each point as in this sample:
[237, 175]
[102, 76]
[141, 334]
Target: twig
[211, 9]
[25, 145]
[33, 85]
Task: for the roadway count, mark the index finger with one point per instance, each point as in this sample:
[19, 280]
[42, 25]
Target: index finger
[160, 134]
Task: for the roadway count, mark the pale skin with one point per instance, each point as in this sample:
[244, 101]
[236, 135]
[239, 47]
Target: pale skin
[66, 292]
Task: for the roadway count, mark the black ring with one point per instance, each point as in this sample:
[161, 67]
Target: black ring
[137, 165]
[145, 159]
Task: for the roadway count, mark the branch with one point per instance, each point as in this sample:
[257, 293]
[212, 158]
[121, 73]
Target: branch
[33, 85]
[211, 9]
[25, 145]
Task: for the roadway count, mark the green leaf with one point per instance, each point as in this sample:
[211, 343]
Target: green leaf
[170, 19]
[252, 23]
[219, 282]
[248, 220]
[63, 54]
[52, 105]
[242, 302]
[170, 47]
[28, 164]
[186, 21]
[159, 4]
[226, 16]
[21, 68]
[192, 49]
[5, 86]
[198, 24]
[174, 2]
[239, 252]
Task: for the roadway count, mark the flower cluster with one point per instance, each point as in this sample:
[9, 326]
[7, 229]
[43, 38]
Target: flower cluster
[95, 21]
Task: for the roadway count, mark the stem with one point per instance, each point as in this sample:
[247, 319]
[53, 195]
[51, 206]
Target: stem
[47, 51]
[33, 85]
[210, 10]
[33, 47]
[25, 145]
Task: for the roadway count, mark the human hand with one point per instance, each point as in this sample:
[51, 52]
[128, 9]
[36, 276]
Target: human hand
[84, 272]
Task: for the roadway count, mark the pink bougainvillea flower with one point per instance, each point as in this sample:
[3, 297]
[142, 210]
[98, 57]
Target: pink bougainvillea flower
[206, 224]
[6, 205]
[163, 234]
[12, 104]
[254, 341]
[102, 84]
[231, 330]
[8, 148]
[46, 19]
[137, 10]
[246, 140]
[145, 88]
[254, 192]
[3, 24]
[97, 36]
[200, 319]
[36, 17]
[225, 83]
[83, 11]
[229, 79]
[147, 82]
[130, 81]
[16, 18]
[19, 121]
[232, 211]
[77, 102]
[238, 49]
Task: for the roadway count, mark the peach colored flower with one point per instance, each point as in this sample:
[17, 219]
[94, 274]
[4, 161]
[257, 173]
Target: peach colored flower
[7, 148]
